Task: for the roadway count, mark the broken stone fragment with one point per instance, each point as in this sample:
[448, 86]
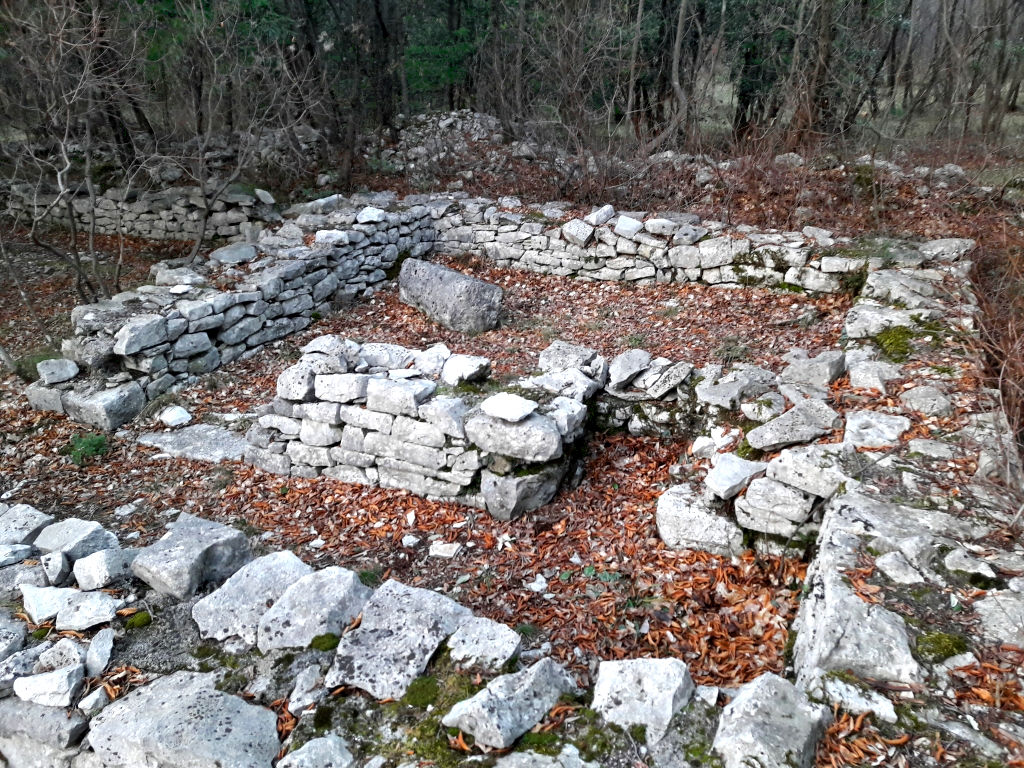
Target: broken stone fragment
[510, 705]
[771, 724]
[236, 608]
[645, 692]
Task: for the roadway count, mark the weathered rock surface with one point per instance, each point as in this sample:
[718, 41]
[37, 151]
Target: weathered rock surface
[183, 720]
[456, 301]
[732, 474]
[401, 629]
[771, 724]
[510, 704]
[329, 751]
[21, 523]
[75, 537]
[236, 608]
[320, 603]
[194, 552]
[645, 692]
[686, 521]
[482, 642]
[199, 442]
[804, 422]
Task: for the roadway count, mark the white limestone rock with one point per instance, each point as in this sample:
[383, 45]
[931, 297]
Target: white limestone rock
[56, 370]
[482, 642]
[510, 704]
[928, 400]
[51, 689]
[75, 537]
[194, 552]
[182, 719]
[686, 521]
[329, 751]
[43, 603]
[101, 568]
[86, 610]
[98, 654]
[175, 416]
[461, 368]
[813, 469]
[401, 629]
[873, 429]
[236, 608]
[536, 438]
[22, 523]
[770, 723]
[645, 692]
[770, 507]
[508, 407]
[319, 603]
[804, 422]
[731, 474]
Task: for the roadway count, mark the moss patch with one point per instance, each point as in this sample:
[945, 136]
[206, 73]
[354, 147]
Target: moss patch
[422, 692]
[138, 620]
[895, 342]
[326, 642]
[934, 647]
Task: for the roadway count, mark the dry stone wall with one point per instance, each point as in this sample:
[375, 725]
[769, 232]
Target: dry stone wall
[140, 343]
[644, 248]
[173, 213]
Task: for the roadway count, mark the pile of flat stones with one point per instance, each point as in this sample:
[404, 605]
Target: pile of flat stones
[173, 213]
[76, 690]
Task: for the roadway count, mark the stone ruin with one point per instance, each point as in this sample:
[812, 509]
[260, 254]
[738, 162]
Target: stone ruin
[843, 483]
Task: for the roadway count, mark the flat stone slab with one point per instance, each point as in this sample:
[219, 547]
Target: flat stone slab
[401, 629]
[319, 603]
[236, 608]
[871, 429]
[772, 507]
[199, 442]
[770, 724]
[76, 538]
[536, 438]
[686, 521]
[183, 720]
[194, 552]
[645, 692]
[482, 642]
[804, 422]
[510, 705]
[813, 469]
[569, 757]
[86, 610]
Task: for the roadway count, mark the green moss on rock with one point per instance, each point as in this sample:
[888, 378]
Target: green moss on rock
[934, 647]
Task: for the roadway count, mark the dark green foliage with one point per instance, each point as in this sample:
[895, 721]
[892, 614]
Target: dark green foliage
[87, 446]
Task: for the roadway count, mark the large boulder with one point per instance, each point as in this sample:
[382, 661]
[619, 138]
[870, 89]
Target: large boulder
[456, 301]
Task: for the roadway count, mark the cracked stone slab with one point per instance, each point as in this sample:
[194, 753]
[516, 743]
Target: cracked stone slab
[319, 603]
[235, 610]
[199, 442]
[804, 422]
[401, 629]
